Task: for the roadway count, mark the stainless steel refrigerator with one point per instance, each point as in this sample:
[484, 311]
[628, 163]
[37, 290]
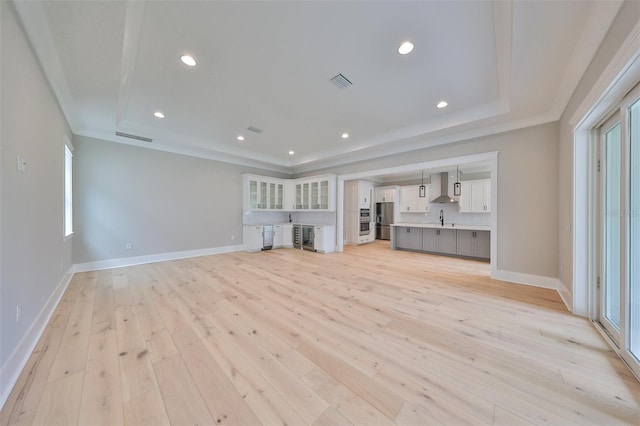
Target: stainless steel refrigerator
[384, 218]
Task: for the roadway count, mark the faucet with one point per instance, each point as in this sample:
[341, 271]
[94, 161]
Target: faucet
[441, 218]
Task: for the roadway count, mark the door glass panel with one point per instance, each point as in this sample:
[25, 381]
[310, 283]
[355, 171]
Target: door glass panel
[634, 225]
[612, 218]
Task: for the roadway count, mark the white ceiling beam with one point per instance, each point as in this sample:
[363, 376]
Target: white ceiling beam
[131, 41]
[36, 26]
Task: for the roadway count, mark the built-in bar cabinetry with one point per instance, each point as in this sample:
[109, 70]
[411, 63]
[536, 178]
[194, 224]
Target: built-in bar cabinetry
[264, 193]
[455, 242]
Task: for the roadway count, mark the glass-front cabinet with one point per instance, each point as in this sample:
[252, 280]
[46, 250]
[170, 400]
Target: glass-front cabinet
[312, 194]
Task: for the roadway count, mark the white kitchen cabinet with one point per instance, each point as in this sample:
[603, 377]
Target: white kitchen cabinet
[410, 200]
[289, 196]
[324, 238]
[365, 193]
[474, 244]
[385, 195]
[252, 237]
[287, 235]
[439, 240]
[317, 194]
[276, 196]
[277, 236]
[263, 193]
[475, 196]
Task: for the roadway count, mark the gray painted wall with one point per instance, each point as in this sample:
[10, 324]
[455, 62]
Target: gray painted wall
[527, 189]
[34, 256]
[628, 17]
[158, 201]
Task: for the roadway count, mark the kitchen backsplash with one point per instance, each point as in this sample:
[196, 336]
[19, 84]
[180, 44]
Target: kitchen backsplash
[265, 218]
[451, 215]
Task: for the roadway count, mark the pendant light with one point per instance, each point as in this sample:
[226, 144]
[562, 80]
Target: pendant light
[422, 190]
[457, 187]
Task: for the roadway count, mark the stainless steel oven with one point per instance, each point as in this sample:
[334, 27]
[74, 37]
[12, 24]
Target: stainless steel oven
[365, 228]
[365, 219]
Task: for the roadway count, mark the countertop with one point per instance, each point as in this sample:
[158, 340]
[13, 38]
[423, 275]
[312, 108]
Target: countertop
[446, 226]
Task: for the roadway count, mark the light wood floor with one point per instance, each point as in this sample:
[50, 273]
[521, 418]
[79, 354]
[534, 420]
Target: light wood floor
[368, 336]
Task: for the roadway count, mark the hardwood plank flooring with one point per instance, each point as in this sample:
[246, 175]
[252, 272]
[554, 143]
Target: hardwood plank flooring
[368, 336]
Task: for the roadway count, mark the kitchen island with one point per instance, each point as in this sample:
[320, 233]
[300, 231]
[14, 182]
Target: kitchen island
[471, 241]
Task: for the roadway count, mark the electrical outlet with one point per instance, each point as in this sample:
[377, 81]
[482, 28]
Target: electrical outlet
[18, 312]
[233, 237]
[20, 163]
[128, 246]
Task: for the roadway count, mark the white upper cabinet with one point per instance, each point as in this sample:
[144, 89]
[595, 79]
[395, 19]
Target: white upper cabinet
[265, 193]
[385, 195]
[365, 193]
[410, 200]
[475, 196]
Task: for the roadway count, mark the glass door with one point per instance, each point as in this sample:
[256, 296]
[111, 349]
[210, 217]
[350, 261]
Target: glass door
[633, 294]
[619, 280]
[611, 267]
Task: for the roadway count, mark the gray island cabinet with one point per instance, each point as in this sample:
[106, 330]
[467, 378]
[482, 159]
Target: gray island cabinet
[450, 241]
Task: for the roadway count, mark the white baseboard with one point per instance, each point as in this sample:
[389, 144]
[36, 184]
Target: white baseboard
[532, 280]
[566, 296]
[160, 257]
[536, 281]
[12, 368]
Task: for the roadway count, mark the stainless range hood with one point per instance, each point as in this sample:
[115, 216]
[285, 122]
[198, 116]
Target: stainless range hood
[444, 190]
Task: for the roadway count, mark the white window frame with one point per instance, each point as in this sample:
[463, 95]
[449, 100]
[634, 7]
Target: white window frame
[67, 190]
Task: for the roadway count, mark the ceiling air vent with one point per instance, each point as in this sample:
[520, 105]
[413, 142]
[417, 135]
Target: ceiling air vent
[341, 81]
[136, 137]
[254, 129]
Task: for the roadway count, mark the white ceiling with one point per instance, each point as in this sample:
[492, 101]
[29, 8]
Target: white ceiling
[500, 65]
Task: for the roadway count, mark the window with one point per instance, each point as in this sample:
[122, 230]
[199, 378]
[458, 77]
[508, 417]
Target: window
[68, 193]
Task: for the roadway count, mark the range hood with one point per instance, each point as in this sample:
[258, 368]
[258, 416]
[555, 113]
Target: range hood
[444, 190]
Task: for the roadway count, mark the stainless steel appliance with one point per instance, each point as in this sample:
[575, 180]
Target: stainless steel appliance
[365, 218]
[267, 237]
[308, 236]
[384, 218]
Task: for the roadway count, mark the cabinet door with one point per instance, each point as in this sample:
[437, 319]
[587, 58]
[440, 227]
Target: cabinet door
[253, 194]
[318, 238]
[402, 237]
[487, 196]
[447, 241]
[252, 238]
[464, 203]
[324, 195]
[415, 239]
[477, 197]
[409, 199]
[483, 244]
[379, 195]
[277, 236]
[287, 235]
[466, 243]
[315, 196]
[430, 240]
[299, 196]
[305, 196]
[276, 195]
[289, 200]
[423, 202]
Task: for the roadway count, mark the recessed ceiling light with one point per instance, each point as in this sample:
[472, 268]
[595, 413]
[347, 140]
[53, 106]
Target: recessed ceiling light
[441, 104]
[240, 138]
[158, 114]
[291, 152]
[405, 47]
[188, 60]
[345, 135]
